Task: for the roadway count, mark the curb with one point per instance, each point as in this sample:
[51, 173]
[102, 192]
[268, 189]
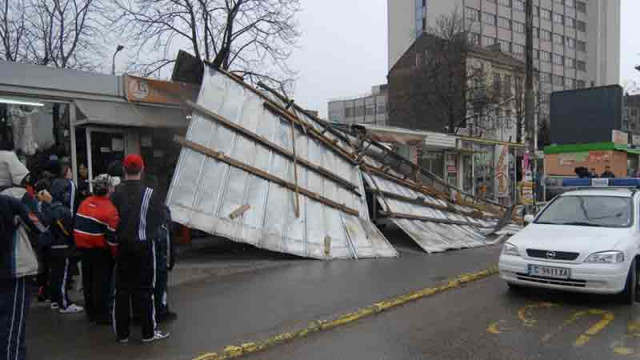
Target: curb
[235, 351]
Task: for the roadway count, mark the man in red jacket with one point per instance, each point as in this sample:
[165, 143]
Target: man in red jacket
[96, 223]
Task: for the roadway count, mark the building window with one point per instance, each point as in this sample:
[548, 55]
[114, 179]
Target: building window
[518, 5]
[570, 83]
[536, 54]
[504, 23]
[570, 3]
[489, 19]
[571, 22]
[581, 65]
[545, 35]
[381, 108]
[545, 56]
[496, 84]
[570, 63]
[581, 6]
[571, 43]
[558, 80]
[536, 33]
[488, 41]
[581, 25]
[505, 46]
[558, 19]
[536, 10]
[581, 45]
[558, 39]
[507, 85]
[545, 77]
[349, 112]
[371, 109]
[474, 39]
[558, 59]
[518, 27]
[505, 3]
[580, 84]
[518, 49]
[360, 110]
[508, 120]
[472, 14]
[545, 14]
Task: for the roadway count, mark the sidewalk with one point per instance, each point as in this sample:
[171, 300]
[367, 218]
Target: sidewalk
[245, 302]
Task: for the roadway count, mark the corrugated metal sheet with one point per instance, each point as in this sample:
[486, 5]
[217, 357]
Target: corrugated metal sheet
[452, 226]
[205, 191]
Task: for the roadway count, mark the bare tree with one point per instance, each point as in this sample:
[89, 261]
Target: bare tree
[60, 33]
[13, 28]
[252, 38]
[435, 87]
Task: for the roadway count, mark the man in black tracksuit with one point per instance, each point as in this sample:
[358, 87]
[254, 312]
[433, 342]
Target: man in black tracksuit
[141, 215]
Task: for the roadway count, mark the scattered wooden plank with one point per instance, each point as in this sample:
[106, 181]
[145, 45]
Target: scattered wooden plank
[239, 211]
[344, 183]
[263, 174]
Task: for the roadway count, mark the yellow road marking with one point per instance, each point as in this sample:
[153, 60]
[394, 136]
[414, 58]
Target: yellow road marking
[235, 351]
[524, 314]
[494, 328]
[620, 346]
[607, 318]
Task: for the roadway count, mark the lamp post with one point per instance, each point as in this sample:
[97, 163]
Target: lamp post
[113, 60]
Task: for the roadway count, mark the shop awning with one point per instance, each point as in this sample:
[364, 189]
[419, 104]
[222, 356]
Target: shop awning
[129, 115]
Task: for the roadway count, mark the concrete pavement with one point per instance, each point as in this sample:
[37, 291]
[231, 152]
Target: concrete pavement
[231, 308]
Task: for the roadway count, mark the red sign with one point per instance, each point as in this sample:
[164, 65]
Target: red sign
[452, 169]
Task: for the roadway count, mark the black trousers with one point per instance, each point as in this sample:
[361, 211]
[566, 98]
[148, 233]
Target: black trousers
[58, 278]
[15, 299]
[135, 281]
[97, 272]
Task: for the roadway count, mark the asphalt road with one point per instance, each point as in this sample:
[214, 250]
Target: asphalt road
[482, 320]
[228, 307]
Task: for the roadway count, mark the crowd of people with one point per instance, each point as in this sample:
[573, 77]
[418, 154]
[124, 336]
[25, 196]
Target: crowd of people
[584, 173]
[114, 231]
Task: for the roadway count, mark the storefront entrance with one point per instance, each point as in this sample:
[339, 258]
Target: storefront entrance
[99, 148]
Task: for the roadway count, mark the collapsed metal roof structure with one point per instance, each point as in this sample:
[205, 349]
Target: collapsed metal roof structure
[258, 169]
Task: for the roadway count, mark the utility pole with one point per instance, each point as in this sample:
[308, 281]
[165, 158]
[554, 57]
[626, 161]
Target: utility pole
[529, 117]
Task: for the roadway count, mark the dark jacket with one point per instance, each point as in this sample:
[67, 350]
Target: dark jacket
[60, 222]
[65, 191]
[12, 212]
[141, 213]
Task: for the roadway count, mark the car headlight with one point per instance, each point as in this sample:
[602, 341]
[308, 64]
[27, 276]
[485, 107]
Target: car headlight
[510, 249]
[606, 257]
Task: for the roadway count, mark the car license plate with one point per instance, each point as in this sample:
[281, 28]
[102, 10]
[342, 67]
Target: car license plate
[550, 272]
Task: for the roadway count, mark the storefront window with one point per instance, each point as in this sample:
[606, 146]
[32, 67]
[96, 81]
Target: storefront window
[38, 131]
[433, 161]
[484, 171]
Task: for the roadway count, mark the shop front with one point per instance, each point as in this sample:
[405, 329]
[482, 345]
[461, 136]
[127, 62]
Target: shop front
[491, 169]
[87, 120]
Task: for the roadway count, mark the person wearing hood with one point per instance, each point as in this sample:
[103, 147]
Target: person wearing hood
[60, 220]
[12, 171]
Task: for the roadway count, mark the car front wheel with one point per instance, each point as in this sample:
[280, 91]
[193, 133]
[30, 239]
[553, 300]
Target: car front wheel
[630, 293]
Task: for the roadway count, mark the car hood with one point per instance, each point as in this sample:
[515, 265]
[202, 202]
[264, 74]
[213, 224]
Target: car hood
[570, 238]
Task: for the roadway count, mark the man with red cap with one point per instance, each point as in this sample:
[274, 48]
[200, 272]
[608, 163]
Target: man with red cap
[141, 215]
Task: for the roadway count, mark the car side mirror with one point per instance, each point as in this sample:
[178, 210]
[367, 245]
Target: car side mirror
[528, 219]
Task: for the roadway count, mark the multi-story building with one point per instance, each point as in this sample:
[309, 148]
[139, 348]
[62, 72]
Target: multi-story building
[367, 109]
[576, 42]
[470, 91]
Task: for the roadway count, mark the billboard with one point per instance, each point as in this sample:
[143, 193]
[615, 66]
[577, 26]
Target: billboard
[586, 115]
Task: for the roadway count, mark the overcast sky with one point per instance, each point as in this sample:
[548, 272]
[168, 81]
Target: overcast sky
[343, 48]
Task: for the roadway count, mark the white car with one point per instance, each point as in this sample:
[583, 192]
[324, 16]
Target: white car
[583, 241]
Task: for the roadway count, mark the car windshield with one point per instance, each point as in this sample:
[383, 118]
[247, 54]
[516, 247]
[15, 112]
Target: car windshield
[597, 211]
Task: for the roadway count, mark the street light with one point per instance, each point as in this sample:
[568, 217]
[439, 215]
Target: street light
[113, 61]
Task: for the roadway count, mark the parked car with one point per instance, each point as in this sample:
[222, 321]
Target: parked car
[582, 241]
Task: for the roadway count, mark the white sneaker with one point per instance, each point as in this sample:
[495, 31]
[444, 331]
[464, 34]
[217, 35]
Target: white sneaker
[158, 335]
[71, 309]
[54, 306]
